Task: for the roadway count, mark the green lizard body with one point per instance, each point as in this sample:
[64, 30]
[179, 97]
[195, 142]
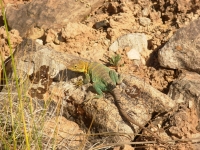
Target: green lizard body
[104, 79]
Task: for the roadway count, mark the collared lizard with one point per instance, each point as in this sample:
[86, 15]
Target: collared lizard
[104, 79]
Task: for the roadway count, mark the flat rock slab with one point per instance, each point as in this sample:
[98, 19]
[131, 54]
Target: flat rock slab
[183, 49]
[49, 14]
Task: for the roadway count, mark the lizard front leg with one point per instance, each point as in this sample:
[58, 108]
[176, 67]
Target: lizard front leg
[87, 79]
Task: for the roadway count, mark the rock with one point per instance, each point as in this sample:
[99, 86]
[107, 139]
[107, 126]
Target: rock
[183, 5]
[196, 137]
[183, 123]
[185, 91]
[113, 8]
[155, 16]
[144, 21]
[103, 23]
[182, 51]
[136, 41]
[106, 42]
[52, 36]
[107, 117]
[65, 131]
[133, 54]
[71, 30]
[145, 12]
[48, 14]
[39, 41]
[162, 102]
[114, 46]
[132, 40]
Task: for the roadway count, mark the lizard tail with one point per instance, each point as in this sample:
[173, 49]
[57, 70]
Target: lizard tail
[117, 96]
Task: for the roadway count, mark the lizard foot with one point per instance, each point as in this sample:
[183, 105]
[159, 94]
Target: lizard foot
[78, 83]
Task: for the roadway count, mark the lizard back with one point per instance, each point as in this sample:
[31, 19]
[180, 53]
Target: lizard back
[99, 72]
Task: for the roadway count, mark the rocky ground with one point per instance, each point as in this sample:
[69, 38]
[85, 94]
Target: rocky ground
[157, 41]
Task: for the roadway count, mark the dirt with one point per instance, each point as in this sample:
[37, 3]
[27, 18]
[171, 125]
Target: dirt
[84, 40]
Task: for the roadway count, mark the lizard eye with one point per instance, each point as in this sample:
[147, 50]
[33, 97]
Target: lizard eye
[75, 66]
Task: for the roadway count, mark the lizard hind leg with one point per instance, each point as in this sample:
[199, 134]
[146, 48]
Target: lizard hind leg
[116, 78]
[99, 87]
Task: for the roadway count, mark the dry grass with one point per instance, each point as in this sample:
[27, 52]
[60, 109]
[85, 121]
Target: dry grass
[21, 117]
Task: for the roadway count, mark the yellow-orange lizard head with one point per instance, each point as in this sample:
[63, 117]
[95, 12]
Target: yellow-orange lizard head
[78, 65]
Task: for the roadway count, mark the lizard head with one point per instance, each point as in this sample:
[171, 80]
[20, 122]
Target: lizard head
[77, 65]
